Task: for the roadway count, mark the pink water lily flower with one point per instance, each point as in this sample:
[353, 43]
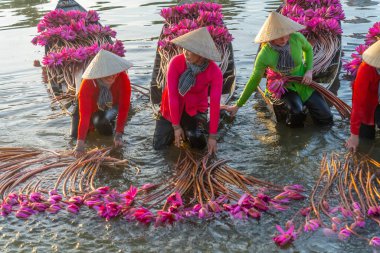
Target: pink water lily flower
[5, 209]
[311, 225]
[35, 197]
[54, 208]
[143, 215]
[130, 195]
[72, 208]
[78, 200]
[375, 242]
[40, 207]
[285, 238]
[344, 234]
[12, 199]
[166, 217]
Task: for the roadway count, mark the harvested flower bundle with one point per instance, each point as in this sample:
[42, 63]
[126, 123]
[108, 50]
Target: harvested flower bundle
[71, 40]
[372, 36]
[182, 19]
[210, 187]
[344, 199]
[277, 82]
[323, 30]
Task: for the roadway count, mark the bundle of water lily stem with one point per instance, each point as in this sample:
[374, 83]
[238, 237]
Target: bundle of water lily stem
[343, 201]
[207, 185]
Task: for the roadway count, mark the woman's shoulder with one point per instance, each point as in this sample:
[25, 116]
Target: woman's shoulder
[178, 58]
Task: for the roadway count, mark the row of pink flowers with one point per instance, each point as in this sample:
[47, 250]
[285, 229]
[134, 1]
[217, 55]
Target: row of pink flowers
[372, 36]
[343, 223]
[189, 17]
[189, 11]
[75, 31]
[59, 17]
[110, 204]
[80, 54]
[317, 18]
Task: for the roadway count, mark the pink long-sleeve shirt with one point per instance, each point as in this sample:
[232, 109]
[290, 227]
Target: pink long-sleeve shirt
[195, 100]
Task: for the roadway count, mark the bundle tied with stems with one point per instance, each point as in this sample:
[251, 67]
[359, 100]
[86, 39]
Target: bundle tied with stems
[182, 19]
[323, 30]
[277, 82]
[71, 40]
[343, 202]
[372, 36]
[204, 186]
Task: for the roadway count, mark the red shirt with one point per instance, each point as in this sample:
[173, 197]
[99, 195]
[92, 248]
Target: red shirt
[196, 99]
[88, 97]
[364, 97]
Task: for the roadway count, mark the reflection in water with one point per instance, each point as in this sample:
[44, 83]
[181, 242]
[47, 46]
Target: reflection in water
[361, 3]
[23, 8]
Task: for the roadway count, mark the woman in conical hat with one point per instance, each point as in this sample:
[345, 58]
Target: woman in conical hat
[190, 78]
[366, 98]
[104, 93]
[287, 51]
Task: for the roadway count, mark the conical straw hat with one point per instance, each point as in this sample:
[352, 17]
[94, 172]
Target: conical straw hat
[105, 64]
[199, 42]
[277, 26]
[372, 55]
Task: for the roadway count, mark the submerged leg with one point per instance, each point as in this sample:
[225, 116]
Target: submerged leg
[104, 121]
[195, 129]
[163, 134]
[296, 116]
[75, 122]
[319, 110]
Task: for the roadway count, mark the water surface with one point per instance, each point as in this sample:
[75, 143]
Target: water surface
[254, 143]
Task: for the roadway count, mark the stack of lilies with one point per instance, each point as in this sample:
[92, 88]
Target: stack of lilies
[201, 188]
[276, 85]
[209, 187]
[323, 30]
[343, 201]
[184, 18]
[71, 39]
[372, 36]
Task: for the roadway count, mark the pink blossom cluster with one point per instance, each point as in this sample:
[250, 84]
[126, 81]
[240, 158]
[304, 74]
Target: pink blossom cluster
[109, 204]
[72, 32]
[372, 36]
[191, 11]
[314, 3]
[275, 83]
[189, 17]
[80, 54]
[57, 18]
[317, 17]
[343, 223]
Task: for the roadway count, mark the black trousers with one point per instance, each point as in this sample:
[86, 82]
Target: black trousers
[319, 110]
[368, 131]
[103, 121]
[194, 128]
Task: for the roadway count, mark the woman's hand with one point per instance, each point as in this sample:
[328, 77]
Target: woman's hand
[79, 149]
[352, 143]
[117, 140]
[232, 109]
[212, 146]
[308, 77]
[179, 135]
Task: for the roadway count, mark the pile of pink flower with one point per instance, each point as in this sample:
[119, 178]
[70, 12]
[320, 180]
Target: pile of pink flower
[74, 37]
[320, 16]
[182, 19]
[275, 83]
[372, 36]
[110, 204]
[342, 224]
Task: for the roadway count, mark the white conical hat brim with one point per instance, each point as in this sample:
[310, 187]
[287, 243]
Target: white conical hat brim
[105, 64]
[372, 55]
[199, 42]
[277, 26]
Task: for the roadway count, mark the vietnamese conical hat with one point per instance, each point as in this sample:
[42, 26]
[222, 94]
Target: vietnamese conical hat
[277, 26]
[372, 55]
[199, 42]
[105, 64]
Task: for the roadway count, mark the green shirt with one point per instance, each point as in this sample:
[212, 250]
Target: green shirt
[300, 49]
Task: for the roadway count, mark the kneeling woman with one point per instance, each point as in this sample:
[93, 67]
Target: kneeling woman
[191, 78]
[104, 94]
[365, 113]
[287, 51]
